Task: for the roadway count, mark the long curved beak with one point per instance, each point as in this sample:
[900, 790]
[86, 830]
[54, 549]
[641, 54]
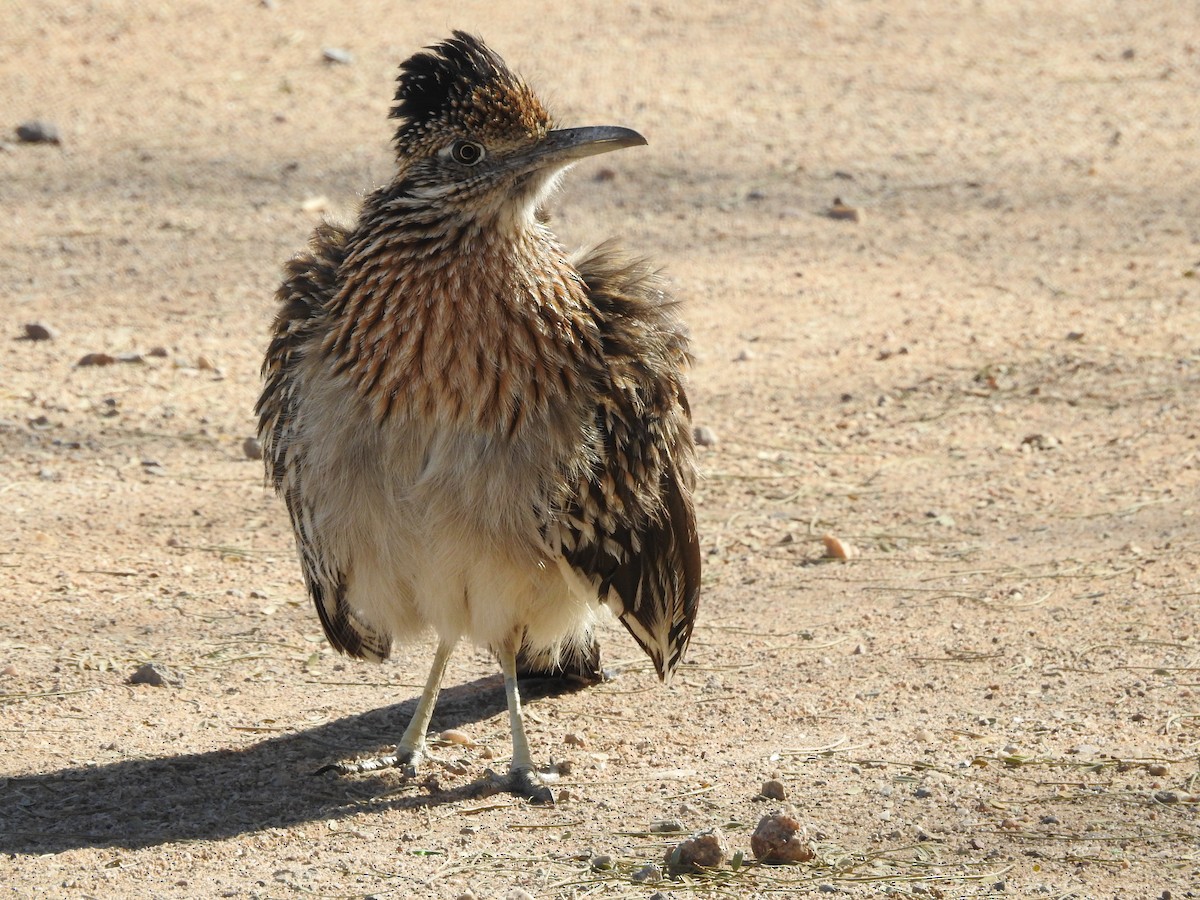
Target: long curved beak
[566, 145]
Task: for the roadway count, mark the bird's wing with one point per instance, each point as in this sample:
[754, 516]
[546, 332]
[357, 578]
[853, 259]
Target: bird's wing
[630, 528]
[311, 281]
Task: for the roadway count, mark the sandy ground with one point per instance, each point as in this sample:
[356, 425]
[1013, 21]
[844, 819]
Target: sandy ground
[987, 384]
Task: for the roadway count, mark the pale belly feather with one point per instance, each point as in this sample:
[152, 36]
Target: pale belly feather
[436, 528]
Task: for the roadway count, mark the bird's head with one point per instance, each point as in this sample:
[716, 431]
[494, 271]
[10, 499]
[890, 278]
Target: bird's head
[474, 138]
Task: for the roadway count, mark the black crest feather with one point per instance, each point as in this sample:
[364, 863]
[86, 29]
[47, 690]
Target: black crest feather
[432, 80]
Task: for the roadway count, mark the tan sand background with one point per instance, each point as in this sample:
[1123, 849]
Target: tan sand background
[987, 385]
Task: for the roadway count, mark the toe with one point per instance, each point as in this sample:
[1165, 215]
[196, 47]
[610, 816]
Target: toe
[360, 767]
[526, 783]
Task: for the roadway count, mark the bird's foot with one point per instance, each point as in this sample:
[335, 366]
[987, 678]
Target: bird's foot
[527, 783]
[407, 760]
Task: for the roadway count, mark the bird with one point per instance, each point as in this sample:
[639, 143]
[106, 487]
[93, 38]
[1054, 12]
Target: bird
[477, 433]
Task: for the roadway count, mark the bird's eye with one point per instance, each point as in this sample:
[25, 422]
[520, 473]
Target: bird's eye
[466, 153]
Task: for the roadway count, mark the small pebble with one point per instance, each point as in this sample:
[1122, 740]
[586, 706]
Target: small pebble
[779, 838]
[648, 875]
[455, 736]
[147, 674]
[703, 850]
[518, 894]
[836, 548]
[1040, 441]
[8, 671]
[922, 793]
[1158, 769]
[157, 352]
[744, 356]
[36, 331]
[704, 436]
[252, 448]
[337, 55]
[571, 739]
[602, 862]
[38, 132]
[667, 826]
[773, 790]
[96, 359]
[842, 211]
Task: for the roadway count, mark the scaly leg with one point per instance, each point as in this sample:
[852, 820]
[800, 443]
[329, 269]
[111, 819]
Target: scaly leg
[523, 779]
[411, 750]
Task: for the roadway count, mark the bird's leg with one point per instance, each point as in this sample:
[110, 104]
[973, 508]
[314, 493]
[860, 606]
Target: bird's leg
[523, 779]
[410, 752]
[412, 748]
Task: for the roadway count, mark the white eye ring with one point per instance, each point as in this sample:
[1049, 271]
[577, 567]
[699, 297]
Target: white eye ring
[467, 153]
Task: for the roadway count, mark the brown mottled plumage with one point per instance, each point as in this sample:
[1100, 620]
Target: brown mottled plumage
[474, 432]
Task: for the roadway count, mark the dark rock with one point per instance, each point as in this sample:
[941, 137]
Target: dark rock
[36, 331]
[38, 132]
[96, 359]
[148, 674]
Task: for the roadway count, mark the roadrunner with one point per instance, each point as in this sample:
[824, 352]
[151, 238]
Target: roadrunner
[476, 433]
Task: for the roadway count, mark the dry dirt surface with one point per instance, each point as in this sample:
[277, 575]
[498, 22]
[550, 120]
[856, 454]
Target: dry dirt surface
[978, 374]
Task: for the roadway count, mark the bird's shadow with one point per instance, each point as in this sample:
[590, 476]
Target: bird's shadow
[222, 793]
